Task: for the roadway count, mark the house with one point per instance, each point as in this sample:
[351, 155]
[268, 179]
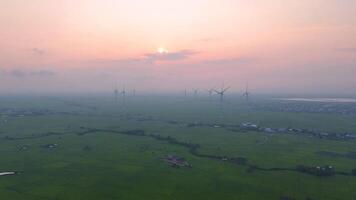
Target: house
[281, 130]
[50, 146]
[176, 161]
[269, 130]
[249, 126]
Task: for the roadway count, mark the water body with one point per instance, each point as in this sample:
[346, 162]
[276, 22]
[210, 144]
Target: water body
[324, 100]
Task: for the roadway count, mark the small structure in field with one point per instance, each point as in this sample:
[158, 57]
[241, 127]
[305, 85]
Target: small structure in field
[50, 146]
[7, 173]
[87, 148]
[249, 126]
[176, 161]
[23, 147]
[327, 170]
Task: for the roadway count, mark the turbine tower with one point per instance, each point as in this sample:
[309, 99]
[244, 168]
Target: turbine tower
[123, 93]
[116, 94]
[210, 91]
[221, 92]
[195, 92]
[246, 93]
[185, 92]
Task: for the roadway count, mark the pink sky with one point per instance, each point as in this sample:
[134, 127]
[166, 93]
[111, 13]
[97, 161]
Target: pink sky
[279, 46]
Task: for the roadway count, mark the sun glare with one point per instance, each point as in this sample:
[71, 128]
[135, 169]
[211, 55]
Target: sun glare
[161, 50]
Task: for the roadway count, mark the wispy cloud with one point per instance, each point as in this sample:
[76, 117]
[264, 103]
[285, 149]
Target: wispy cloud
[230, 61]
[149, 58]
[208, 39]
[16, 73]
[346, 49]
[37, 51]
[42, 73]
[20, 73]
[169, 56]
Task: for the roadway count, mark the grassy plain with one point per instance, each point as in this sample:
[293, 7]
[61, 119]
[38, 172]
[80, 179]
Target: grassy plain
[105, 165]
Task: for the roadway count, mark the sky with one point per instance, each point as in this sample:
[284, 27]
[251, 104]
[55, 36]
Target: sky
[276, 46]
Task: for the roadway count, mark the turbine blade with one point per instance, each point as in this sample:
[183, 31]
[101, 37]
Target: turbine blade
[226, 89]
[217, 92]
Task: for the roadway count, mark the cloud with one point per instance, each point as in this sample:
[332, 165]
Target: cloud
[42, 73]
[230, 61]
[16, 73]
[169, 56]
[208, 39]
[19, 73]
[146, 59]
[346, 49]
[119, 62]
[37, 51]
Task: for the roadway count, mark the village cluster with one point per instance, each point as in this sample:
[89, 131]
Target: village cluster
[306, 107]
[12, 112]
[308, 132]
[248, 126]
[176, 161]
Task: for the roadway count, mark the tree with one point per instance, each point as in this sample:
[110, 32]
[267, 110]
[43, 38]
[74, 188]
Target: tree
[353, 172]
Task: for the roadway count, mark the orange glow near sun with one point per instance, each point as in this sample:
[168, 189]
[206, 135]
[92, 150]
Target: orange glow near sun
[162, 50]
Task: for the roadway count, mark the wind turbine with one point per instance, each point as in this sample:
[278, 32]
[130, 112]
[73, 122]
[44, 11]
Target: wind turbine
[195, 92]
[210, 91]
[185, 92]
[123, 93]
[116, 93]
[134, 92]
[221, 92]
[246, 93]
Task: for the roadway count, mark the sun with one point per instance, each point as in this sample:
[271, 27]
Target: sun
[162, 50]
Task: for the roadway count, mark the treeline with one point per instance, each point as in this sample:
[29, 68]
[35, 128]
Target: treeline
[51, 133]
[353, 172]
[33, 136]
[317, 170]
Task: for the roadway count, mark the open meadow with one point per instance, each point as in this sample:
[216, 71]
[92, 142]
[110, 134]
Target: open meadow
[74, 148]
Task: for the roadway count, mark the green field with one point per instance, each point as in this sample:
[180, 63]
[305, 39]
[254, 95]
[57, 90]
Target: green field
[106, 163]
